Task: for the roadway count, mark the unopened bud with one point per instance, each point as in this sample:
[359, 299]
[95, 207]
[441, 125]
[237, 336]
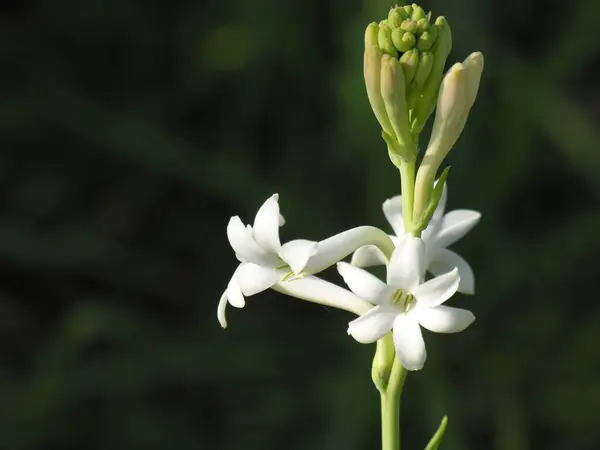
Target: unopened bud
[456, 97]
[393, 92]
[409, 62]
[402, 40]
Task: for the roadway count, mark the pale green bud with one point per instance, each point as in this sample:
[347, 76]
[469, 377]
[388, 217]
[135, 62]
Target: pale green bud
[420, 79]
[372, 74]
[384, 38]
[409, 62]
[427, 39]
[395, 18]
[423, 69]
[417, 12]
[423, 25]
[426, 101]
[393, 91]
[402, 40]
[408, 10]
[457, 94]
[410, 26]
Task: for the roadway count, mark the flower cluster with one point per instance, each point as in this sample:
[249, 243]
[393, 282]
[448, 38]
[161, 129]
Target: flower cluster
[404, 59]
[402, 304]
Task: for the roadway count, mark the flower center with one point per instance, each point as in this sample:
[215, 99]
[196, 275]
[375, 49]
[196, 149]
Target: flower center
[405, 301]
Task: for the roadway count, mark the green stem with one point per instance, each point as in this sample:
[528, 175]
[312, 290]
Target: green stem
[407, 180]
[390, 408]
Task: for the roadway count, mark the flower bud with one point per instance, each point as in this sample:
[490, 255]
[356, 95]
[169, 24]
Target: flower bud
[372, 74]
[409, 62]
[424, 105]
[456, 97]
[421, 48]
[393, 92]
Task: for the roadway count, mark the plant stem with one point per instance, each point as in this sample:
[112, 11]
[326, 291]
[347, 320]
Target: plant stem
[390, 408]
[407, 181]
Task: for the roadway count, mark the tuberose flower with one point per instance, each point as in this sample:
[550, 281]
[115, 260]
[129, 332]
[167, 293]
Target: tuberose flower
[288, 268]
[405, 303]
[442, 231]
[263, 260]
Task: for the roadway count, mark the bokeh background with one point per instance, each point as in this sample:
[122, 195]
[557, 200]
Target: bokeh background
[132, 130]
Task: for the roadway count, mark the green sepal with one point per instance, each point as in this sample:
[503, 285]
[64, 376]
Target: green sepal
[434, 442]
[434, 200]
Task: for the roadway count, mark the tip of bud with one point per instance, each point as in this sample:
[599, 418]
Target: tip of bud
[371, 34]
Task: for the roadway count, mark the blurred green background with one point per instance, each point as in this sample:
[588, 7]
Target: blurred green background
[132, 130]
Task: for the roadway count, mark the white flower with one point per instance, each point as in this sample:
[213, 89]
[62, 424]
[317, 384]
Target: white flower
[263, 260]
[265, 263]
[405, 303]
[442, 231]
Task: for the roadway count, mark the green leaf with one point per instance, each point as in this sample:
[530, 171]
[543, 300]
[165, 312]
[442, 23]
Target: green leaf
[435, 441]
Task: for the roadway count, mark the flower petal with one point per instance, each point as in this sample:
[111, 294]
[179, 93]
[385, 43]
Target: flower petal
[362, 283]
[234, 293]
[373, 325]
[444, 319]
[244, 245]
[367, 256]
[437, 290]
[407, 265]
[253, 278]
[337, 247]
[443, 260]
[454, 226]
[266, 224]
[319, 291]
[392, 209]
[409, 343]
[296, 253]
[221, 310]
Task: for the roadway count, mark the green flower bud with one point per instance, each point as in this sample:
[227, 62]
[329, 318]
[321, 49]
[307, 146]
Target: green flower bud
[423, 25]
[409, 62]
[456, 97]
[419, 50]
[393, 92]
[426, 41]
[372, 74]
[395, 18]
[423, 69]
[384, 39]
[409, 26]
[417, 13]
[440, 50]
[402, 40]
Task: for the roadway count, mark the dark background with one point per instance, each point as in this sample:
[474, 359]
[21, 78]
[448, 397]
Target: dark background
[132, 130]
